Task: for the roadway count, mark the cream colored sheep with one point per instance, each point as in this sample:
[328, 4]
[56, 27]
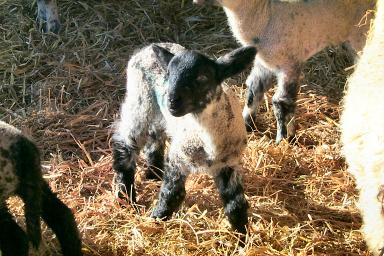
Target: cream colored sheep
[362, 126]
[286, 34]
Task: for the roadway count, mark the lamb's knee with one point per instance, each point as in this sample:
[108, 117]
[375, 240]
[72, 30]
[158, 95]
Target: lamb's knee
[48, 15]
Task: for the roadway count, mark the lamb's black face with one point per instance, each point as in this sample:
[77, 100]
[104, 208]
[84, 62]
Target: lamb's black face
[192, 83]
[193, 80]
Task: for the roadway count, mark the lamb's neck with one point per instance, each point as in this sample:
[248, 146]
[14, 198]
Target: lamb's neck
[206, 118]
[248, 19]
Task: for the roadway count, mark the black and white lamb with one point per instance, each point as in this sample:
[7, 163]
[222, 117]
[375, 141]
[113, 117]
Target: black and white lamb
[286, 34]
[20, 174]
[179, 92]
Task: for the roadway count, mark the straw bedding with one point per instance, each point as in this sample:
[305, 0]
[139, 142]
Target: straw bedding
[65, 91]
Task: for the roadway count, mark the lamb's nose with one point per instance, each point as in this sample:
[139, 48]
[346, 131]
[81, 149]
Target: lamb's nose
[175, 102]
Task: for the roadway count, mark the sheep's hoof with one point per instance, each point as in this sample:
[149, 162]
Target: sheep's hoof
[160, 214]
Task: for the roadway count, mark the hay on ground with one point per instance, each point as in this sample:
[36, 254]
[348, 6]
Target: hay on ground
[65, 90]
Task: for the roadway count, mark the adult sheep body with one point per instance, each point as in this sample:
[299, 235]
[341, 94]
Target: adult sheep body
[177, 92]
[363, 134]
[20, 174]
[286, 34]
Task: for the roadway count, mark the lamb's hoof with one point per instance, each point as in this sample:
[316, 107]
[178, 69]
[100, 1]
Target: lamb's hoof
[160, 214]
[279, 138]
[291, 139]
[122, 196]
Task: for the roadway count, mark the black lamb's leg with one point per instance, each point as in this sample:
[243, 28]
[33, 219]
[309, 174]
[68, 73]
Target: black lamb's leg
[230, 187]
[26, 159]
[32, 196]
[13, 240]
[154, 154]
[172, 192]
[61, 220]
[124, 165]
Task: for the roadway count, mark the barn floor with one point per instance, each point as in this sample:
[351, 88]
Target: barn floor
[65, 91]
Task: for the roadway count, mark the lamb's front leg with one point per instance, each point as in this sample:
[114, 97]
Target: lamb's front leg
[284, 103]
[258, 82]
[48, 15]
[172, 192]
[230, 186]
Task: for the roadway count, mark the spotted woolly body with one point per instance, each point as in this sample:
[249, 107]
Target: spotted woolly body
[20, 175]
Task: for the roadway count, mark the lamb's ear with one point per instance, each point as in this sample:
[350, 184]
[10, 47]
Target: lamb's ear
[163, 55]
[235, 61]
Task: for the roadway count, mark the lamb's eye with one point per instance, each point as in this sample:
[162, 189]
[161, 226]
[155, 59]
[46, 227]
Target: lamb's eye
[202, 79]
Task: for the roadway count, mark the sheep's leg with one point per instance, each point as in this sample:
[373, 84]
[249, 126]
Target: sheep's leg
[48, 15]
[284, 104]
[258, 82]
[124, 165]
[61, 220]
[230, 186]
[27, 164]
[13, 240]
[154, 154]
[31, 195]
[172, 192]
[371, 204]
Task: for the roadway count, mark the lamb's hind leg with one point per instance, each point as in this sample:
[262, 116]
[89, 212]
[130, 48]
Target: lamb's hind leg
[129, 138]
[13, 240]
[48, 15]
[284, 103]
[230, 186]
[154, 153]
[61, 220]
[258, 82]
[172, 192]
[125, 152]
